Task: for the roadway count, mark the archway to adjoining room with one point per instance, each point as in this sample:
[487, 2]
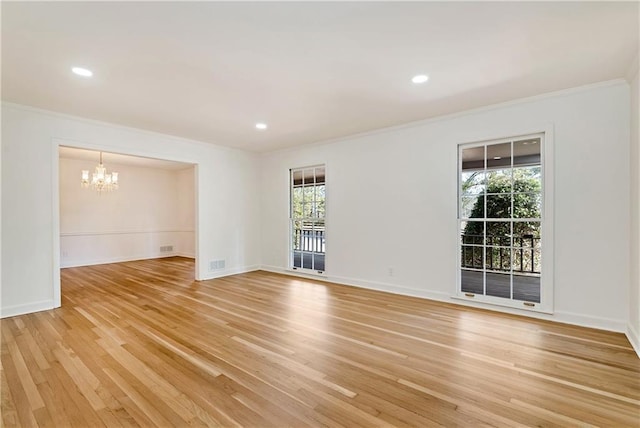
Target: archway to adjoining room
[151, 215]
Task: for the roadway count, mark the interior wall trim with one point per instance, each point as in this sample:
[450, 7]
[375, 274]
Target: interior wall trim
[12, 311]
[615, 325]
[109, 260]
[123, 232]
[634, 338]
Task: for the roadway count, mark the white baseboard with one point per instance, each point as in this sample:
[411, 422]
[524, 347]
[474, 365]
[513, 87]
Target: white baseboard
[28, 308]
[390, 288]
[610, 324]
[360, 283]
[227, 272]
[116, 260]
[187, 255]
[634, 338]
[559, 316]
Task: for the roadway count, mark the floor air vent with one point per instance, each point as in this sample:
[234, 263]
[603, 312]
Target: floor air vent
[216, 264]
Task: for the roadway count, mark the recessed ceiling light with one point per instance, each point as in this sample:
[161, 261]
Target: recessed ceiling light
[497, 157]
[82, 72]
[261, 126]
[420, 78]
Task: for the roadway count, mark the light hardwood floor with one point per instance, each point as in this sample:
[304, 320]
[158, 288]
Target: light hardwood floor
[142, 344]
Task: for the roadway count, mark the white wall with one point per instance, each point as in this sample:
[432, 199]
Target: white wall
[185, 216]
[634, 289]
[227, 205]
[401, 183]
[153, 208]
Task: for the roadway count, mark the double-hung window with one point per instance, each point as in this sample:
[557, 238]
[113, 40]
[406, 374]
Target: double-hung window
[501, 222]
[307, 209]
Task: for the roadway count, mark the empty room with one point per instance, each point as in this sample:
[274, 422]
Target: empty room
[270, 214]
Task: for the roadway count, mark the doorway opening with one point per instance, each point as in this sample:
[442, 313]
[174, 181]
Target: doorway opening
[151, 215]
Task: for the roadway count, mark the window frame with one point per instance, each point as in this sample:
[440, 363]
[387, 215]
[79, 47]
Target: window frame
[290, 219]
[546, 225]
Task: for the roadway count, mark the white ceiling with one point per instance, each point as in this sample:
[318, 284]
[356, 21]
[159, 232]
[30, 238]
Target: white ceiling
[110, 159]
[311, 71]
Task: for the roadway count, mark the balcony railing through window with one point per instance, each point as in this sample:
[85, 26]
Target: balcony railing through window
[309, 249]
[522, 257]
[309, 240]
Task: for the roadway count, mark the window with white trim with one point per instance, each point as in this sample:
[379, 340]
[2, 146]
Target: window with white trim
[501, 222]
[307, 209]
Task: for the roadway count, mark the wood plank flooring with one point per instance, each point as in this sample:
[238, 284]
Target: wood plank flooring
[143, 344]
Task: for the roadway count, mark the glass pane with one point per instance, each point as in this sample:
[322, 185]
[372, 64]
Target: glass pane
[499, 284]
[527, 260]
[321, 240]
[499, 181]
[473, 158]
[296, 202]
[472, 232]
[527, 205]
[308, 177]
[297, 259]
[307, 261]
[499, 233]
[472, 182]
[471, 257]
[297, 235]
[472, 207]
[526, 287]
[320, 175]
[498, 259]
[526, 152]
[320, 201]
[308, 194]
[306, 240]
[499, 206]
[318, 262]
[316, 238]
[517, 260]
[472, 281]
[499, 155]
[297, 178]
[527, 179]
[537, 261]
[526, 234]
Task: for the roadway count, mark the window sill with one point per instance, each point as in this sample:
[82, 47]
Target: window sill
[306, 272]
[488, 302]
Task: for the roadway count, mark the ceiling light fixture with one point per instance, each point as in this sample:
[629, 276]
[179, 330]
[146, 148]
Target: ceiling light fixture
[100, 181]
[420, 78]
[82, 72]
[261, 126]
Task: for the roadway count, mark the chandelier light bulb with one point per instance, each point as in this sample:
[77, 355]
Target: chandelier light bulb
[100, 180]
[85, 178]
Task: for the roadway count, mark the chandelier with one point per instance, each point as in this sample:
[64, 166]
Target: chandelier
[100, 181]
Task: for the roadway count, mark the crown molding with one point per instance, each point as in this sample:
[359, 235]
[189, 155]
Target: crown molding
[463, 113]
